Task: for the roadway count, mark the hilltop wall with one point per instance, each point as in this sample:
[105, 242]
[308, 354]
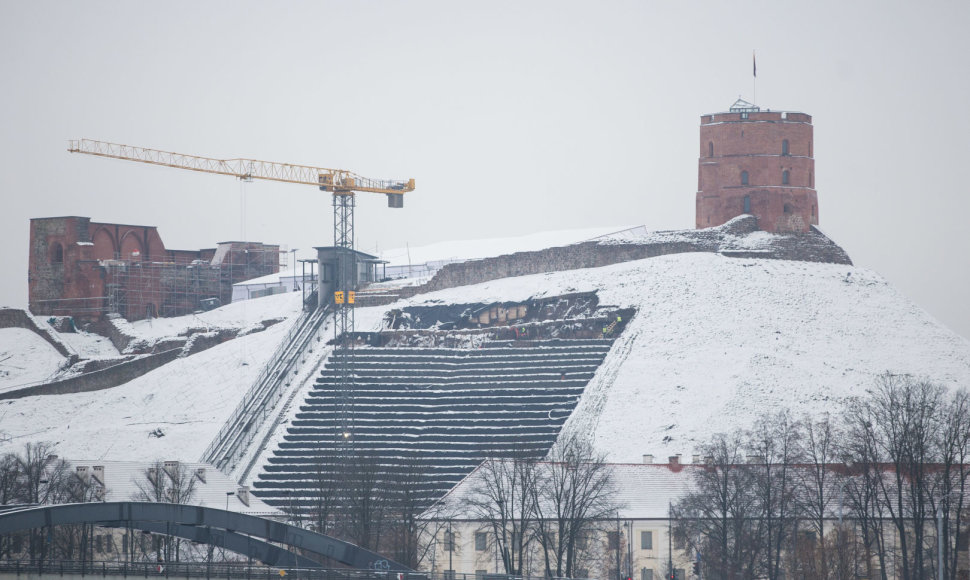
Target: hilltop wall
[739, 237]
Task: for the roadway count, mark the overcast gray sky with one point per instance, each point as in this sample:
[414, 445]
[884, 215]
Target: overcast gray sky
[513, 117]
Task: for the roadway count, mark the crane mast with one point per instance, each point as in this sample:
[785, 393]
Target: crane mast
[341, 183]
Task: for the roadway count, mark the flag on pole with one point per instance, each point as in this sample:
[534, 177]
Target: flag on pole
[754, 65]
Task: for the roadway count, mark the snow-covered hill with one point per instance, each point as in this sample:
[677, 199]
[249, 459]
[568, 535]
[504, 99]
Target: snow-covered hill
[716, 341]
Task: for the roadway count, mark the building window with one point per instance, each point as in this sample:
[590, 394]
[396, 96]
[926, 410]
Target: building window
[449, 542]
[108, 545]
[747, 204]
[787, 208]
[57, 253]
[784, 177]
[646, 574]
[97, 544]
[646, 540]
[784, 147]
[813, 210]
[811, 179]
[481, 541]
[710, 149]
[744, 178]
[613, 540]
[809, 148]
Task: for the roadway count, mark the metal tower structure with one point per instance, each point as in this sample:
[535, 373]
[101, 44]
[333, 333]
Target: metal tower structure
[341, 183]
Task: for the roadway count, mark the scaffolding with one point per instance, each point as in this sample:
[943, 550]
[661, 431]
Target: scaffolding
[137, 289]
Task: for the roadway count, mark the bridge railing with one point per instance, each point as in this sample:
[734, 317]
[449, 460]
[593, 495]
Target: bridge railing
[247, 570]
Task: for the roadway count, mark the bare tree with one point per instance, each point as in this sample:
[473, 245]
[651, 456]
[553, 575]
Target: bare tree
[721, 517]
[774, 443]
[166, 483]
[815, 483]
[573, 491]
[504, 498]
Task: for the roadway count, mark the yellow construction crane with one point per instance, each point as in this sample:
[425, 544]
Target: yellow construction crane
[337, 181]
[342, 184]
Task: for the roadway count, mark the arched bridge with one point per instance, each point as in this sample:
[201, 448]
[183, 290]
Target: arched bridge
[241, 533]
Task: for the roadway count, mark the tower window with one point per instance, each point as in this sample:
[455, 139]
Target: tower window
[747, 204]
[784, 177]
[744, 178]
[787, 208]
[710, 149]
[811, 179]
[784, 147]
[57, 255]
[809, 148]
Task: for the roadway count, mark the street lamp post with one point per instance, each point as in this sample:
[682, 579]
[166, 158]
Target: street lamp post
[226, 531]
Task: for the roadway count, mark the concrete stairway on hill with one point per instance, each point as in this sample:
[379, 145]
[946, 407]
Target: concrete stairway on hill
[434, 411]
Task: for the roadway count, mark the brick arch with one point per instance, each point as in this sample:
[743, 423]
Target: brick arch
[131, 243]
[105, 246]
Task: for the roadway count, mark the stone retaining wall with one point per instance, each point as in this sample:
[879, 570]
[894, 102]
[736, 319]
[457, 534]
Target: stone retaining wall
[98, 380]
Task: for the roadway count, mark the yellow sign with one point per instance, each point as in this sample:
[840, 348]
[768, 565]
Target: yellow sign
[282, 573]
[338, 297]
[350, 296]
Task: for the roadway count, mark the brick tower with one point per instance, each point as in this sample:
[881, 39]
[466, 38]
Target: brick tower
[760, 163]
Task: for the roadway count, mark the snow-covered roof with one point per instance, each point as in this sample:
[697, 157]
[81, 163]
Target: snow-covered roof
[276, 278]
[641, 490]
[211, 487]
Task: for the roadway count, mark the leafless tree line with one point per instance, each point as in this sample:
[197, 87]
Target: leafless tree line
[369, 500]
[858, 494]
[37, 476]
[550, 507]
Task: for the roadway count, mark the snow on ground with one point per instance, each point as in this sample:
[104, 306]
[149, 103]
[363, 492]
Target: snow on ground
[26, 358]
[89, 345]
[477, 249]
[717, 341]
[245, 314]
[186, 401]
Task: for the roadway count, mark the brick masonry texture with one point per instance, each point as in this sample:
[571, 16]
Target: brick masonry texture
[757, 163]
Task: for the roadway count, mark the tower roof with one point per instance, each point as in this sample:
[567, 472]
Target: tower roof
[742, 106]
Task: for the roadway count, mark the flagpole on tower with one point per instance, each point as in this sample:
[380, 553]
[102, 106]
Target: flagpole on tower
[754, 81]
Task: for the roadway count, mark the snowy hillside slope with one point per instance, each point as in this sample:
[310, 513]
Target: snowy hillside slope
[169, 413]
[26, 358]
[718, 341]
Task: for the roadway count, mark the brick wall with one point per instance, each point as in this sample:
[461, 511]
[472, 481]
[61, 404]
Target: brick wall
[758, 163]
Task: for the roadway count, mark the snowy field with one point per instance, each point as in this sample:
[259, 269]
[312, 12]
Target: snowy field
[25, 358]
[716, 342]
[170, 413]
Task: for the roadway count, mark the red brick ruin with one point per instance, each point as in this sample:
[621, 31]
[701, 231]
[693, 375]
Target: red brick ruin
[87, 269]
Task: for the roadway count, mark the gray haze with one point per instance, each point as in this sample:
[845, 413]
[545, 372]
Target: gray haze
[513, 117]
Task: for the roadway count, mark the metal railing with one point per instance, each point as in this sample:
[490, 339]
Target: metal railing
[264, 392]
[247, 570]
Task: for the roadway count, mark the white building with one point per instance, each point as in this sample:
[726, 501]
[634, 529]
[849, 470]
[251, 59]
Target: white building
[643, 494]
